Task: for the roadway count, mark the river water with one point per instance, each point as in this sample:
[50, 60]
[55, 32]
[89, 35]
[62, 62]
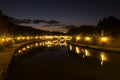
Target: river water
[55, 60]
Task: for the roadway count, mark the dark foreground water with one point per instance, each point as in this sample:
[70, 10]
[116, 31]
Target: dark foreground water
[56, 61]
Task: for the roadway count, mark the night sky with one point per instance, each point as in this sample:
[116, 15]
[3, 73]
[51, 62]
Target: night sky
[75, 12]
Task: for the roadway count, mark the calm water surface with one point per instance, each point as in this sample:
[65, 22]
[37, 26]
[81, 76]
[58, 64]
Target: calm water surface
[55, 60]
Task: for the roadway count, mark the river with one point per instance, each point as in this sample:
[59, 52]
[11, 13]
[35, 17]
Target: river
[55, 60]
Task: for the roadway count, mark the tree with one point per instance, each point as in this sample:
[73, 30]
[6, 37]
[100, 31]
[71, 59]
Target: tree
[84, 30]
[1, 13]
[110, 25]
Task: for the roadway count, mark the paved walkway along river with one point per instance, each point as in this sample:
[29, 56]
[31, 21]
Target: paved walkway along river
[5, 58]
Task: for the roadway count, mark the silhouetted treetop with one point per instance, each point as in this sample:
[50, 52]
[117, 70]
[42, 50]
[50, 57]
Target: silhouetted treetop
[84, 30]
[8, 25]
[1, 13]
[110, 25]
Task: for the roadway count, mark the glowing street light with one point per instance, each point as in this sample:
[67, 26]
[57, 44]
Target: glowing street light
[9, 39]
[19, 51]
[3, 39]
[18, 38]
[36, 44]
[23, 38]
[28, 47]
[28, 37]
[104, 39]
[78, 38]
[88, 38]
[24, 49]
[36, 37]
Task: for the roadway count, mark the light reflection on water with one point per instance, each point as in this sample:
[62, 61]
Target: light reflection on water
[70, 62]
[75, 51]
[87, 52]
[82, 53]
[48, 44]
[103, 57]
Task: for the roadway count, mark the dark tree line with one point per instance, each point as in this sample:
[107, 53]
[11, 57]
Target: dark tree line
[9, 27]
[110, 25]
[84, 30]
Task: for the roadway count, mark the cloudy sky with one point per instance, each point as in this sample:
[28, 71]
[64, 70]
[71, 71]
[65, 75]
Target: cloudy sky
[75, 12]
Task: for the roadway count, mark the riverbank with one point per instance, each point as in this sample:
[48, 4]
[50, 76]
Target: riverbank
[5, 58]
[109, 49]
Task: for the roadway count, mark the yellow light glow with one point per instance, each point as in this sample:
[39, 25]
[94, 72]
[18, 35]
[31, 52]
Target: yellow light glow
[88, 38]
[19, 51]
[104, 39]
[87, 53]
[28, 47]
[32, 45]
[36, 37]
[70, 47]
[47, 36]
[56, 44]
[6, 40]
[18, 38]
[51, 37]
[62, 40]
[24, 49]
[23, 38]
[83, 55]
[31, 37]
[65, 43]
[28, 38]
[9, 39]
[62, 44]
[40, 44]
[40, 36]
[36, 44]
[48, 42]
[103, 57]
[49, 45]
[3, 39]
[55, 41]
[77, 50]
[69, 38]
[82, 50]
[78, 38]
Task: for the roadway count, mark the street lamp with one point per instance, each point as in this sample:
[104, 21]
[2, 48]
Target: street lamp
[28, 37]
[104, 39]
[88, 38]
[78, 38]
[3, 39]
[18, 38]
[36, 37]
